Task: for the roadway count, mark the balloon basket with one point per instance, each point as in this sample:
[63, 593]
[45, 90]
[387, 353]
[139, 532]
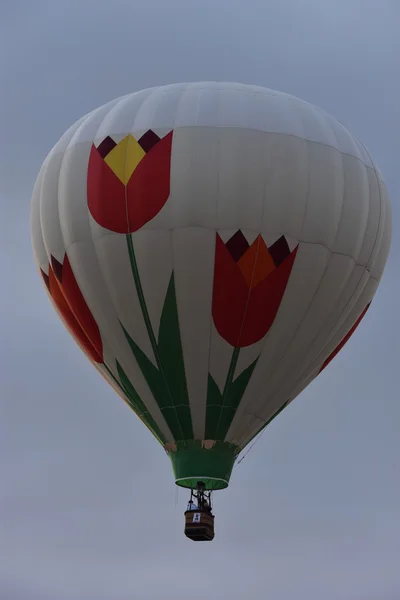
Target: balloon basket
[199, 526]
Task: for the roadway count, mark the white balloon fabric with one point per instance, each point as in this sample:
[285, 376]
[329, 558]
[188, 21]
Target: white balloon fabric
[211, 247]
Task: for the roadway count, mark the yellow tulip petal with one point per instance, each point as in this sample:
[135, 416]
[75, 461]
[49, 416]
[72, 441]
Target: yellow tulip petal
[124, 158]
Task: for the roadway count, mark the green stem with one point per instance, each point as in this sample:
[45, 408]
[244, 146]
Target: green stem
[111, 374]
[142, 302]
[228, 383]
[150, 331]
[144, 415]
[121, 387]
[231, 371]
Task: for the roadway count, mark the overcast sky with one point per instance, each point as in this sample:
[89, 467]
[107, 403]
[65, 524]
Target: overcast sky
[88, 507]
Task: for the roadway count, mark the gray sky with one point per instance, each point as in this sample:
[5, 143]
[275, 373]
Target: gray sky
[87, 501]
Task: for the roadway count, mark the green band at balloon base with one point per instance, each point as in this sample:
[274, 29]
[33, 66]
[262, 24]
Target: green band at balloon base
[193, 462]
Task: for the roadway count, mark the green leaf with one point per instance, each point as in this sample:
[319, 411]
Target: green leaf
[214, 404]
[158, 387]
[238, 386]
[171, 359]
[138, 406]
[221, 407]
[232, 399]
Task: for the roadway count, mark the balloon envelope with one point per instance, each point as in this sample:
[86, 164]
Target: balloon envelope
[210, 247]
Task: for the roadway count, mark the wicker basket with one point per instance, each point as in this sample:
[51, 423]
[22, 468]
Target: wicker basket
[199, 525]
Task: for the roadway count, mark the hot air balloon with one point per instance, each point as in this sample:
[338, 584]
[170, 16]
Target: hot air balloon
[210, 247]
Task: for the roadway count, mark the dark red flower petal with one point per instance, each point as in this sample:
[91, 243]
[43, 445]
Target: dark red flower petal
[148, 140]
[125, 209]
[74, 310]
[45, 279]
[229, 296]
[57, 268]
[149, 186]
[237, 245]
[106, 146]
[105, 195]
[264, 301]
[279, 250]
[243, 316]
[79, 307]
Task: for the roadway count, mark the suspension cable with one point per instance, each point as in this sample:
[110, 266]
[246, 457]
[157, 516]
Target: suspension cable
[248, 450]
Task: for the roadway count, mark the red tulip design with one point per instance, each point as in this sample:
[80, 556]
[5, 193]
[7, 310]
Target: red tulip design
[69, 300]
[344, 340]
[128, 183]
[249, 283]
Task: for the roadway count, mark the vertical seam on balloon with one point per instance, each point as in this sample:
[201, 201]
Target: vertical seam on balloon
[161, 423]
[264, 342]
[342, 208]
[333, 333]
[45, 242]
[62, 241]
[237, 347]
[381, 210]
[213, 277]
[355, 261]
[379, 192]
[180, 101]
[146, 316]
[249, 293]
[159, 420]
[294, 334]
[40, 217]
[151, 334]
[304, 219]
[180, 337]
[173, 262]
[288, 345]
[57, 282]
[315, 356]
[36, 198]
[366, 173]
[338, 223]
[310, 363]
[251, 399]
[82, 125]
[115, 104]
[310, 371]
[235, 354]
[379, 224]
[150, 92]
[265, 339]
[338, 226]
[334, 329]
[210, 329]
[203, 427]
[178, 104]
